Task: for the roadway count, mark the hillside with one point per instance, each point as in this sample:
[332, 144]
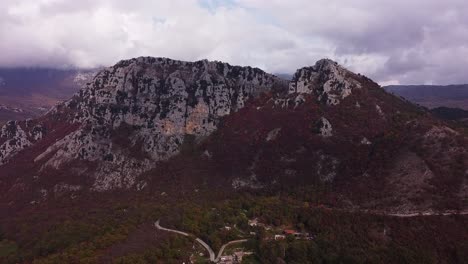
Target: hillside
[158, 138]
[329, 126]
[450, 113]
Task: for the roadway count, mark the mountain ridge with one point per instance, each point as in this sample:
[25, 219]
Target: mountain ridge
[143, 118]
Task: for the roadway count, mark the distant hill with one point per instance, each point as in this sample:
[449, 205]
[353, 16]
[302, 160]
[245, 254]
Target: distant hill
[452, 114]
[433, 96]
[30, 92]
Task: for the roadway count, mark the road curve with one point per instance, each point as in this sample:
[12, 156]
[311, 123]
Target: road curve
[169, 230]
[201, 242]
[208, 248]
[220, 253]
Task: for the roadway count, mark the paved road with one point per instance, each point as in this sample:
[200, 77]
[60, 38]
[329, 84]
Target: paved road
[220, 253]
[208, 248]
[169, 230]
[429, 214]
[404, 215]
[201, 242]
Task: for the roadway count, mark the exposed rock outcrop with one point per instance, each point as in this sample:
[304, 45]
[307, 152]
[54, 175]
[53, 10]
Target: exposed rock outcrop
[140, 111]
[326, 79]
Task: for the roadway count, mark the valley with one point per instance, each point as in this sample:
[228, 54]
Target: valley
[31, 92]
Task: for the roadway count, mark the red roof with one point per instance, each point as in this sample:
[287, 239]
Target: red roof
[290, 231]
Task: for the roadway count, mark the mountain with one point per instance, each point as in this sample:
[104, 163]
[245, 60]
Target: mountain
[209, 148]
[254, 130]
[131, 115]
[30, 92]
[432, 96]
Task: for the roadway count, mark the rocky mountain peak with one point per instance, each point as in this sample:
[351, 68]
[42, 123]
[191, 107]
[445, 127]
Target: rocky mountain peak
[142, 110]
[126, 126]
[329, 81]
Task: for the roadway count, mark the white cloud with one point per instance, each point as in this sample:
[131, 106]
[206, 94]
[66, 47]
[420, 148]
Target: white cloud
[416, 41]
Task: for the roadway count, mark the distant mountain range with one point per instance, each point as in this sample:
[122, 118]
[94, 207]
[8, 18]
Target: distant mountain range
[30, 92]
[432, 96]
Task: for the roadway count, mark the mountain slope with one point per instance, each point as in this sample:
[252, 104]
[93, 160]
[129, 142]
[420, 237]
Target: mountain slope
[154, 124]
[453, 114]
[131, 115]
[340, 131]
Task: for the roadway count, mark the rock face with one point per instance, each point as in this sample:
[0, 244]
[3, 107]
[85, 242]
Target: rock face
[14, 138]
[330, 126]
[141, 111]
[327, 80]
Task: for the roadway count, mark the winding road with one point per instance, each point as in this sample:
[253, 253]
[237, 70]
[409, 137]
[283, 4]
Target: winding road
[201, 242]
[214, 258]
[220, 253]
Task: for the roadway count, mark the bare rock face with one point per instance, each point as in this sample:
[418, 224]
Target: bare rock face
[14, 138]
[140, 111]
[330, 127]
[326, 79]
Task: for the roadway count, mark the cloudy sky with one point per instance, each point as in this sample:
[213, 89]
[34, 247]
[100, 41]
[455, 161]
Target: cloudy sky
[391, 41]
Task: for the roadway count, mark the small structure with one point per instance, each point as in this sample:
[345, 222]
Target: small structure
[290, 232]
[253, 222]
[280, 237]
[297, 235]
[226, 260]
[238, 255]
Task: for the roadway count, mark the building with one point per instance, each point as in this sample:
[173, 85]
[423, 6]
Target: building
[297, 235]
[290, 232]
[253, 222]
[226, 260]
[280, 237]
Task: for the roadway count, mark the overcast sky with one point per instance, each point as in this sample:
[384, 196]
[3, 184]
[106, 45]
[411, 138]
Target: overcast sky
[395, 41]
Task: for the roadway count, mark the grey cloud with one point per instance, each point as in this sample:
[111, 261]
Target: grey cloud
[419, 41]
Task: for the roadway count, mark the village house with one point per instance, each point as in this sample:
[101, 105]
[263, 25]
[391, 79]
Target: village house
[226, 260]
[253, 222]
[280, 237]
[297, 235]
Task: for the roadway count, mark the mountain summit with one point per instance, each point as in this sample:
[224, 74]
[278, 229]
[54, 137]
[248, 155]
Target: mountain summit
[133, 114]
[220, 125]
